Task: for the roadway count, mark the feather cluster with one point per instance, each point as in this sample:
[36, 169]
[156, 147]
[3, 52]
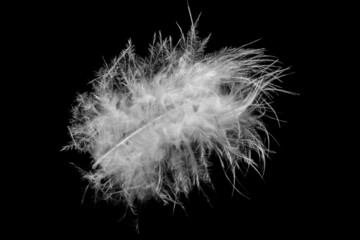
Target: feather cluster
[151, 123]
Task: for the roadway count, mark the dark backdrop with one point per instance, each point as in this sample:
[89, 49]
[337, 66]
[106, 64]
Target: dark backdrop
[72, 42]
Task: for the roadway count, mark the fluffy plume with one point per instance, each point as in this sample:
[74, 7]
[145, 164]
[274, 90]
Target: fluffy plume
[151, 123]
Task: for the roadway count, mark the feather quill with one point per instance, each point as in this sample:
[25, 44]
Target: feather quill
[150, 123]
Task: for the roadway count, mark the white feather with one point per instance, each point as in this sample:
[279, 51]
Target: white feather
[150, 123]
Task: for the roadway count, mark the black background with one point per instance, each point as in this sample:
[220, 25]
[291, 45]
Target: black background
[297, 197]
